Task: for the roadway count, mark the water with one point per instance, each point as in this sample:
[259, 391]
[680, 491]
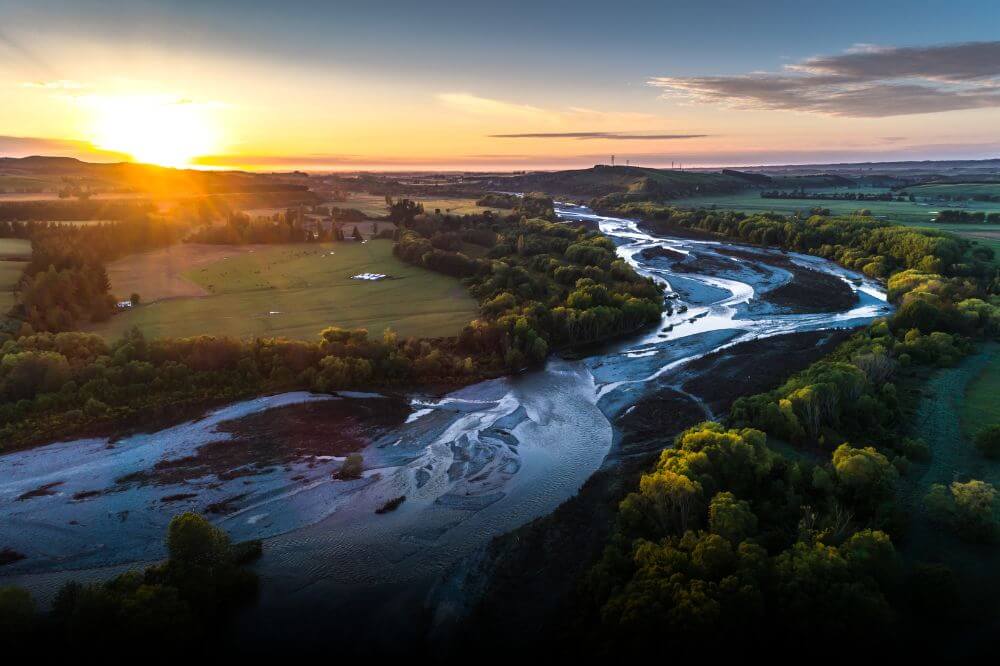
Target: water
[472, 465]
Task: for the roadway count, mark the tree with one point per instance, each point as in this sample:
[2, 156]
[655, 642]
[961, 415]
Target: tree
[866, 476]
[731, 518]
[969, 508]
[191, 539]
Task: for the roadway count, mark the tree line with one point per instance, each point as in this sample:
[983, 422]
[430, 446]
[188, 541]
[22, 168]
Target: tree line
[966, 217]
[835, 196]
[65, 283]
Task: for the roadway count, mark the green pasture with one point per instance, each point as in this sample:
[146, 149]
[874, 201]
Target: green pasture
[297, 290]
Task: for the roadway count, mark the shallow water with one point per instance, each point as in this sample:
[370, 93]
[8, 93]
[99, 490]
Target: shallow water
[474, 464]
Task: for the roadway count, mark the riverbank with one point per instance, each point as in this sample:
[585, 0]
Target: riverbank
[532, 572]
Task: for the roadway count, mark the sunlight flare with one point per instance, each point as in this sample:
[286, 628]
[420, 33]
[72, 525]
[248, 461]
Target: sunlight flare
[154, 130]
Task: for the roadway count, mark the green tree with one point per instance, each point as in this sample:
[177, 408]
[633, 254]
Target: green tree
[970, 508]
[866, 476]
[731, 518]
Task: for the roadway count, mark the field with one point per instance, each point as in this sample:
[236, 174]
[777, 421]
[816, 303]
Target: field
[750, 201]
[374, 205]
[981, 406]
[954, 189]
[284, 290]
[14, 252]
[912, 214]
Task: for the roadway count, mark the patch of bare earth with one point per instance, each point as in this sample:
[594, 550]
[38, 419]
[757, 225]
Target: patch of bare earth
[281, 436]
[160, 274]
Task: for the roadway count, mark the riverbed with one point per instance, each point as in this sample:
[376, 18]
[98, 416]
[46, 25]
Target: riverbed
[472, 465]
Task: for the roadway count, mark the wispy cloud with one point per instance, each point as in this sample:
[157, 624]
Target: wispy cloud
[59, 84]
[866, 81]
[632, 136]
[489, 107]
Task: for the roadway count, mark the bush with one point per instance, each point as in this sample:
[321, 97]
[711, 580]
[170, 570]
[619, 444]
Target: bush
[352, 467]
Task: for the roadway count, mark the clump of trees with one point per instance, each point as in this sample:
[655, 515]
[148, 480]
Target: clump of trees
[541, 283]
[168, 607]
[970, 509]
[725, 536]
[498, 200]
[966, 217]
[65, 284]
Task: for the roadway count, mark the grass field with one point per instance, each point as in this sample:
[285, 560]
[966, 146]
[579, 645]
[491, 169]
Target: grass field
[912, 214]
[981, 404]
[374, 205]
[905, 212]
[292, 291]
[14, 252]
[954, 189]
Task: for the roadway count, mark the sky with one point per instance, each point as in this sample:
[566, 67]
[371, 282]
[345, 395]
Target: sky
[498, 86]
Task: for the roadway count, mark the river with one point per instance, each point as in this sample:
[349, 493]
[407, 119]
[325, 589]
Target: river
[474, 464]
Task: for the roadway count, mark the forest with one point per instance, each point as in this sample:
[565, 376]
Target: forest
[730, 534]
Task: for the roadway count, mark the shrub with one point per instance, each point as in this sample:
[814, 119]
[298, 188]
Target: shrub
[352, 467]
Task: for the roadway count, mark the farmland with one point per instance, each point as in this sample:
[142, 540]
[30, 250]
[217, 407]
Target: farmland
[373, 205]
[909, 213]
[284, 290]
[904, 212]
[955, 190]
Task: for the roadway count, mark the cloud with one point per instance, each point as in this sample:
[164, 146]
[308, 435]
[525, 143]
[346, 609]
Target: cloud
[489, 107]
[596, 135]
[59, 84]
[865, 82]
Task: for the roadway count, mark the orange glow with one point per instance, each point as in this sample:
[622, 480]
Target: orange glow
[154, 130]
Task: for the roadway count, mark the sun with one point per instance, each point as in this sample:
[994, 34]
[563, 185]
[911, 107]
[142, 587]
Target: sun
[154, 130]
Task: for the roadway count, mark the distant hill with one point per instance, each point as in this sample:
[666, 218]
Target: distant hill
[40, 173]
[627, 182]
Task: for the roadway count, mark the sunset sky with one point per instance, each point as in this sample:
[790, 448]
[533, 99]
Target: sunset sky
[401, 85]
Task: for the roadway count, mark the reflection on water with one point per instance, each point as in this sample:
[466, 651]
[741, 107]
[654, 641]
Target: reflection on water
[473, 464]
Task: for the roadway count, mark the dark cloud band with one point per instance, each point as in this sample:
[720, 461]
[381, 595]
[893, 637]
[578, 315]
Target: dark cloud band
[866, 82]
[596, 135]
